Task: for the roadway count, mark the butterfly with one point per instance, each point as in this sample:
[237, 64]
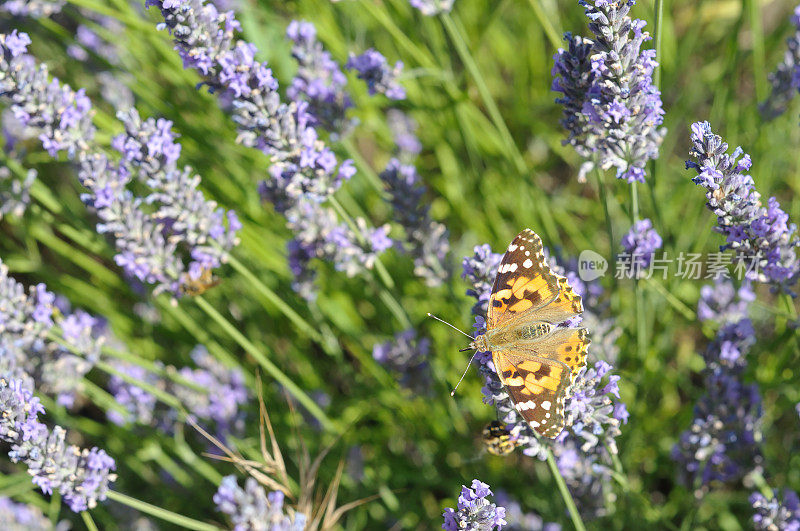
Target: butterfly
[201, 284]
[497, 439]
[536, 360]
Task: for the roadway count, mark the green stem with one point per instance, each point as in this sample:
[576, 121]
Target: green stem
[641, 324]
[274, 299]
[758, 48]
[601, 190]
[267, 365]
[659, 20]
[362, 165]
[158, 512]
[87, 521]
[674, 301]
[565, 494]
[544, 20]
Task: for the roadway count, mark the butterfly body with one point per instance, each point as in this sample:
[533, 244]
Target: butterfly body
[536, 357]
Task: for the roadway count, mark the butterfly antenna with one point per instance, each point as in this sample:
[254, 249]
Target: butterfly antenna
[448, 324]
[453, 392]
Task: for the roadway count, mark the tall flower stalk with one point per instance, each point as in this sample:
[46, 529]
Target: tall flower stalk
[761, 236]
[612, 110]
[165, 238]
[304, 171]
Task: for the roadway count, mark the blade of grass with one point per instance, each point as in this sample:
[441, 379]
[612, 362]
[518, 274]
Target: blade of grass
[163, 514]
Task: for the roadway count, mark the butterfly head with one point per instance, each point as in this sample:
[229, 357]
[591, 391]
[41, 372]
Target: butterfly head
[479, 344]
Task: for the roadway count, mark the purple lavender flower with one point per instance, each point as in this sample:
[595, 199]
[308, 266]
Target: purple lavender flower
[591, 414]
[24, 517]
[479, 270]
[762, 238]
[373, 68]
[25, 348]
[140, 405]
[88, 40]
[224, 396]
[776, 513]
[319, 80]
[474, 510]
[723, 441]
[304, 171]
[61, 116]
[612, 111]
[426, 238]
[218, 404]
[432, 7]
[15, 191]
[723, 303]
[407, 356]
[156, 235]
[587, 476]
[204, 38]
[318, 234]
[404, 131]
[32, 8]
[640, 244]
[518, 520]
[785, 80]
[252, 508]
[80, 475]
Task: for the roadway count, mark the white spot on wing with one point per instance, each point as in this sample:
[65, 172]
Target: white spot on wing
[546, 405]
[527, 263]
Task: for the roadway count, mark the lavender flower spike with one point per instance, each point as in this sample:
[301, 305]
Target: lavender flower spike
[408, 357]
[205, 40]
[251, 508]
[612, 110]
[32, 8]
[775, 513]
[785, 80]
[762, 237]
[426, 239]
[474, 510]
[23, 517]
[432, 7]
[319, 80]
[15, 191]
[373, 68]
[60, 116]
[640, 244]
[80, 475]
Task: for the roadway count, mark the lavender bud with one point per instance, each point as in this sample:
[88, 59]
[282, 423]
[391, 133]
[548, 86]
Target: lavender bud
[373, 68]
[426, 239]
[407, 356]
[319, 80]
[251, 508]
[640, 244]
[432, 7]
[776, 513]
[32, 8]
[784, 80]
[80, 475]
[474, 510]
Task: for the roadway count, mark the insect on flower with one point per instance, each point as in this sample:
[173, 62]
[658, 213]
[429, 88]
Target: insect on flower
[197, 286]
[537, 360]
[497, 439]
